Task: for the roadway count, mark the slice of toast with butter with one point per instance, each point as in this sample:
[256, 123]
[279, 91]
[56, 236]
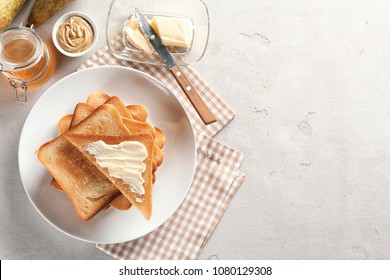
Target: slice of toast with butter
[126, 161]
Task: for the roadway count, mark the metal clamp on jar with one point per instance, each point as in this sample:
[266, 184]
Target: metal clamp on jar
[25, 60]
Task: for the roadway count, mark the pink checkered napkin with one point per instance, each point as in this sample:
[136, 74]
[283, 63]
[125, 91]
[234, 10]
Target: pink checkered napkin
[216, 180]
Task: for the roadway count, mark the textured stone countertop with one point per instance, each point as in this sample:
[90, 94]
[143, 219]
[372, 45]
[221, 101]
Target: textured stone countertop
[309, 82]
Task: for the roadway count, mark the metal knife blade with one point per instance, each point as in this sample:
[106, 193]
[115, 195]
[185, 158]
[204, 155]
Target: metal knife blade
[154, 39]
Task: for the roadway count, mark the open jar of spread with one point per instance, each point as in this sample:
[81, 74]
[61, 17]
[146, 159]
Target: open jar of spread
[25, 60]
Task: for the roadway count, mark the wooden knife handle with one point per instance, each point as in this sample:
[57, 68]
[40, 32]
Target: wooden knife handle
[204, 112]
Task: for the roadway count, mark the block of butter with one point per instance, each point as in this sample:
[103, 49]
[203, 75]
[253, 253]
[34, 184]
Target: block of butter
[175, 32]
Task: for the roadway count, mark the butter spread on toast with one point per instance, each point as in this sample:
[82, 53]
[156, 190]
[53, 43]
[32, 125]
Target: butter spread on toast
[124, 161]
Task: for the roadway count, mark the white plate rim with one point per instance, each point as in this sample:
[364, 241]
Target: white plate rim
[138, 72]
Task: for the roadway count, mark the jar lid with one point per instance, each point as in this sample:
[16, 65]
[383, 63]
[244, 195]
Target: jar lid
[20, 47]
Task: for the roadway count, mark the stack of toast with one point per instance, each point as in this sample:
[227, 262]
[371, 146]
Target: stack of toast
[89, 186]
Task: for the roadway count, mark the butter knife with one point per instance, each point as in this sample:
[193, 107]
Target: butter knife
[204, 112]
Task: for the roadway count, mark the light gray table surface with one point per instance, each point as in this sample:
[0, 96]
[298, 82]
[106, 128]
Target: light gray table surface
[309, 82]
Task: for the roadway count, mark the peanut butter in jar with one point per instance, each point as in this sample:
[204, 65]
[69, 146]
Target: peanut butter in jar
[75, 35]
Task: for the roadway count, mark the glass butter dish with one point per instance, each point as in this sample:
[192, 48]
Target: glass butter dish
[193, 11]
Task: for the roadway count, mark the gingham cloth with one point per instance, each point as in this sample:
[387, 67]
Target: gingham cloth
[217, 176]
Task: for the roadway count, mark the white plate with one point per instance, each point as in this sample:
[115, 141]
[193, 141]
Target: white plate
[174, 176]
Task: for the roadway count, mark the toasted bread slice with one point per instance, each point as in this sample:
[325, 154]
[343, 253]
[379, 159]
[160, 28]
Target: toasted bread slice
[81, 111]
[139, 112]
[137, 127]
[158, 156]
[97, 98]
[105, 120]
[64, 123]
[144, 206]
[55, 184]
[118, 104]
[75, 175]
[121, 203]
[160, 138]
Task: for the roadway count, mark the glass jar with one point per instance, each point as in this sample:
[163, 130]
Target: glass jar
[25, 60]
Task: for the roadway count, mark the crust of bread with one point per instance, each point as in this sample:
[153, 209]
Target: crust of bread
[160, 138]
[118, 104]
[158, 156]
[121, 203]
[139, 112]
[137, 127]
[64, 123]
[55, 184]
